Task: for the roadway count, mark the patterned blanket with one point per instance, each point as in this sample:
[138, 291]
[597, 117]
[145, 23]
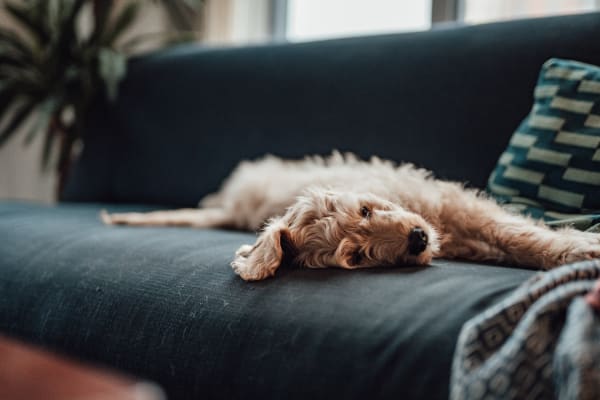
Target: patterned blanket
[541, 342]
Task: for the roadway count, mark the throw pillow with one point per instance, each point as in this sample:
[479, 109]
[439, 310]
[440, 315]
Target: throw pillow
[551, 167]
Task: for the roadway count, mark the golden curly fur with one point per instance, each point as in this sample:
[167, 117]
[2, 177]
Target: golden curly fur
[342, 211]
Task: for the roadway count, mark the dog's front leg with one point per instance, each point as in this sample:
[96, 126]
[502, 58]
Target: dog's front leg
[471, 249]
[254, 263]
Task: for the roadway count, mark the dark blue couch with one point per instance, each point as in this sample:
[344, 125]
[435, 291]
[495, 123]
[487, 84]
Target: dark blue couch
[163, 304]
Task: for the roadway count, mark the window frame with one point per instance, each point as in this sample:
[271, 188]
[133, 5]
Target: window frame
[442, 11]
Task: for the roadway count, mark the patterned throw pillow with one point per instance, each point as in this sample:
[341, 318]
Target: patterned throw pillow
[551, 167]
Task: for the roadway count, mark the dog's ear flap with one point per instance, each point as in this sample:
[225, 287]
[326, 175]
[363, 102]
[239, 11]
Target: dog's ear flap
[253, 263]
[348, 255]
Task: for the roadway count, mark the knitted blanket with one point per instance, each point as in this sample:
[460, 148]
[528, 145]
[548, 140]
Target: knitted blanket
[541, 342]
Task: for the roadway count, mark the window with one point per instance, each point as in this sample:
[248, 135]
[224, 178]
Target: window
[478, 11]
[321, 19]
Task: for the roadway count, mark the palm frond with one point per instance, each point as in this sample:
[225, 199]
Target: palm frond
[29, 19]
[122, 22]
[67, 35]
[26, 81]
[21, 112]
[71, 14]
[182, 13]
[168, 39]
[42, 118]
[17, 44]
[7, 95]
[8, 57]
[112, 69]
[101, 13]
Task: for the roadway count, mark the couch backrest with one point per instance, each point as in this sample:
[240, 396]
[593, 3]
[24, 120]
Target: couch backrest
[447, 99]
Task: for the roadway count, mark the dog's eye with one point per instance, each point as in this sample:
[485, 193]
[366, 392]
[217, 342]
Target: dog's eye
[365, 212]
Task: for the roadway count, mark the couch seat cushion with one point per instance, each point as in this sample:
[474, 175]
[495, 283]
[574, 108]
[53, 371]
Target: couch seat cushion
[163, 304]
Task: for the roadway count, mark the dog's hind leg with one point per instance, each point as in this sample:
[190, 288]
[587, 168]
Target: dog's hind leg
[593, 236]
[518, 240]
[190, 217]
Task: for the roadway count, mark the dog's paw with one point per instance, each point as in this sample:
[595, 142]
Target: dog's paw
[244, 250]
[582, 254]
[574, 249]
[248, 267]
[106, 217]
[569, 247]
[243, 267]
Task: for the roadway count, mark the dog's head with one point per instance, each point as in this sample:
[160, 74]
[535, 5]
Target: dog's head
[343, 229]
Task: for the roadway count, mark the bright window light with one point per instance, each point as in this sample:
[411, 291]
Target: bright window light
[478, 11]
[321, 19]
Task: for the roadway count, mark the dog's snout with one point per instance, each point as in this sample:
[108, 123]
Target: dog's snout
[417, 241]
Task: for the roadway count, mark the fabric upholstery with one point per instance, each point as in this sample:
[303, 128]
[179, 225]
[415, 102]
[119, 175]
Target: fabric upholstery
[447, 99]
[163, 304]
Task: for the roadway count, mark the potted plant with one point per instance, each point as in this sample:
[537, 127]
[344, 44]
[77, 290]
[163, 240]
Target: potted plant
[51, 71]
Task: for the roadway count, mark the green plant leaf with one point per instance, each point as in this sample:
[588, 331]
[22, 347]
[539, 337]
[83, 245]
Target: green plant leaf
[195, 4]
[53, 17]
[168, 38]
[135, 41]
[182, 13]
[7, 95]
[44, 113]
[101, 11]
[28, 18]
[11, 40]
[8, 57]
[179, 38]
[71, 13]
[26, 81]
[122, 22]
[112, 69]
[20, 114]
[67, 35]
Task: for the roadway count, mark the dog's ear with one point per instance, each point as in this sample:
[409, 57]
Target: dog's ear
[253, 263]
[349, 255]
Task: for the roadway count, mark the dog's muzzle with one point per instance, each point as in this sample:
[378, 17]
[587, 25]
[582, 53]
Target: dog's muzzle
[417, 241]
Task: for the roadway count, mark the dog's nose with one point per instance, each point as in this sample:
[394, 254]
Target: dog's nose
[417, 241]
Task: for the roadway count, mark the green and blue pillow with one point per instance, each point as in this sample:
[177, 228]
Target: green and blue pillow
[551, 167]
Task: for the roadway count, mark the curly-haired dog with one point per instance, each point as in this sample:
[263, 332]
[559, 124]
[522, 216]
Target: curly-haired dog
[342, 211]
